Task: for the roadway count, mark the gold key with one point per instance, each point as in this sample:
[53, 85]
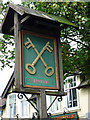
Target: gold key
[49, 48]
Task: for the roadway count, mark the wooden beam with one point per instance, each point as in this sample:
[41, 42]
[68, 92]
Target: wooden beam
[57, 93]
[12, 28]
[55, 26]
[39, 30]
[24, 19]
[38, 91]
[26, 90]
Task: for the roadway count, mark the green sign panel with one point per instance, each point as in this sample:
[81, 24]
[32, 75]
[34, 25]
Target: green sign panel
[67, 116]
[39, 61]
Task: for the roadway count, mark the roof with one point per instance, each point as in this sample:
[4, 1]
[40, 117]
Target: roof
[30, 16]
[2, 103]
[10, 82]
[84, 84]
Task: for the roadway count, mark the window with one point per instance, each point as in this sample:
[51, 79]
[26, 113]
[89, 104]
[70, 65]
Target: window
[12, 105]
[56, 105]
[24, 108]
[70, 88]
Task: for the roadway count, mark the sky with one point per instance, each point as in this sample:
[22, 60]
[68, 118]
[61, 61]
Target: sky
[6, 73]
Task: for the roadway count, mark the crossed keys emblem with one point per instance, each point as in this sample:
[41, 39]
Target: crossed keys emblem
[29, 44]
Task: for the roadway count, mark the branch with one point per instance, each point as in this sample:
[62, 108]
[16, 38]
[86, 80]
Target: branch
[79, 42]
[69, 53]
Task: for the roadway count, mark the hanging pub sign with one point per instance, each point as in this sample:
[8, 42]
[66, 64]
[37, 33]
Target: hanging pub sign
[39, 61]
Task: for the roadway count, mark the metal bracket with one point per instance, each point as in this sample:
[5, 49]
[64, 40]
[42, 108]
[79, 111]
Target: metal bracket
[20, 96]
[59, 100]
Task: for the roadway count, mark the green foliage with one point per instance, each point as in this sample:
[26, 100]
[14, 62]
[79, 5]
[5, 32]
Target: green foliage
[7, 50]
[75, 59]
[7, 53]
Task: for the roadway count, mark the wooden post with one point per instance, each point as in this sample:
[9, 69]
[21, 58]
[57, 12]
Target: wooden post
[60, 63]
[41, 104]
[17, 36]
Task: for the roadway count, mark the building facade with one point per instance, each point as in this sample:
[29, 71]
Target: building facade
[18, 108]
[75, 103]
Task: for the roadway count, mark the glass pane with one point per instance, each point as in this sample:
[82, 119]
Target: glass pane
[74, 94]
[74, 103]
[55, 105]
[74, 84]
[70, 96]
[25, 108]
[66, 86]
[74, 78]
[74, 97]
[70, 104]
[11, 111]
[66, 81]
[51, 100]
[69, 85]
[14, 98]
[22, 108]
[24, 104]
[12, 103]
[14, 112]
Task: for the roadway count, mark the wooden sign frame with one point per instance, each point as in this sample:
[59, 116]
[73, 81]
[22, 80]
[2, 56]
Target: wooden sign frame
[56, 61]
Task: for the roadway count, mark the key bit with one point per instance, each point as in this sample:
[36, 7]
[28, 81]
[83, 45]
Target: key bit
[50, 47]
[49, 50]
[29, 44]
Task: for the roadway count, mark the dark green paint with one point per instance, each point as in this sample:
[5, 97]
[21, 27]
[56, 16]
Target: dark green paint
[29, 55]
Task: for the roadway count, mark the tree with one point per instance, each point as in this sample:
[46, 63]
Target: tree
[7, 53]
[74, 58]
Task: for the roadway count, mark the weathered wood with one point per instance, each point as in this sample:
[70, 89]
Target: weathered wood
[55, 26]
[24, 19]
[11, 29]
[48, 31]
[57, 93]
[25, 90]
[16, 8]
[42, 104]
[60, 63]
[37, 91]
[17, 51]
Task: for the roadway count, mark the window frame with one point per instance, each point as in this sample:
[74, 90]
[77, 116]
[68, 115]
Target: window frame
[12, 104]
[71, 88]
[49, 102]
[21, 102]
